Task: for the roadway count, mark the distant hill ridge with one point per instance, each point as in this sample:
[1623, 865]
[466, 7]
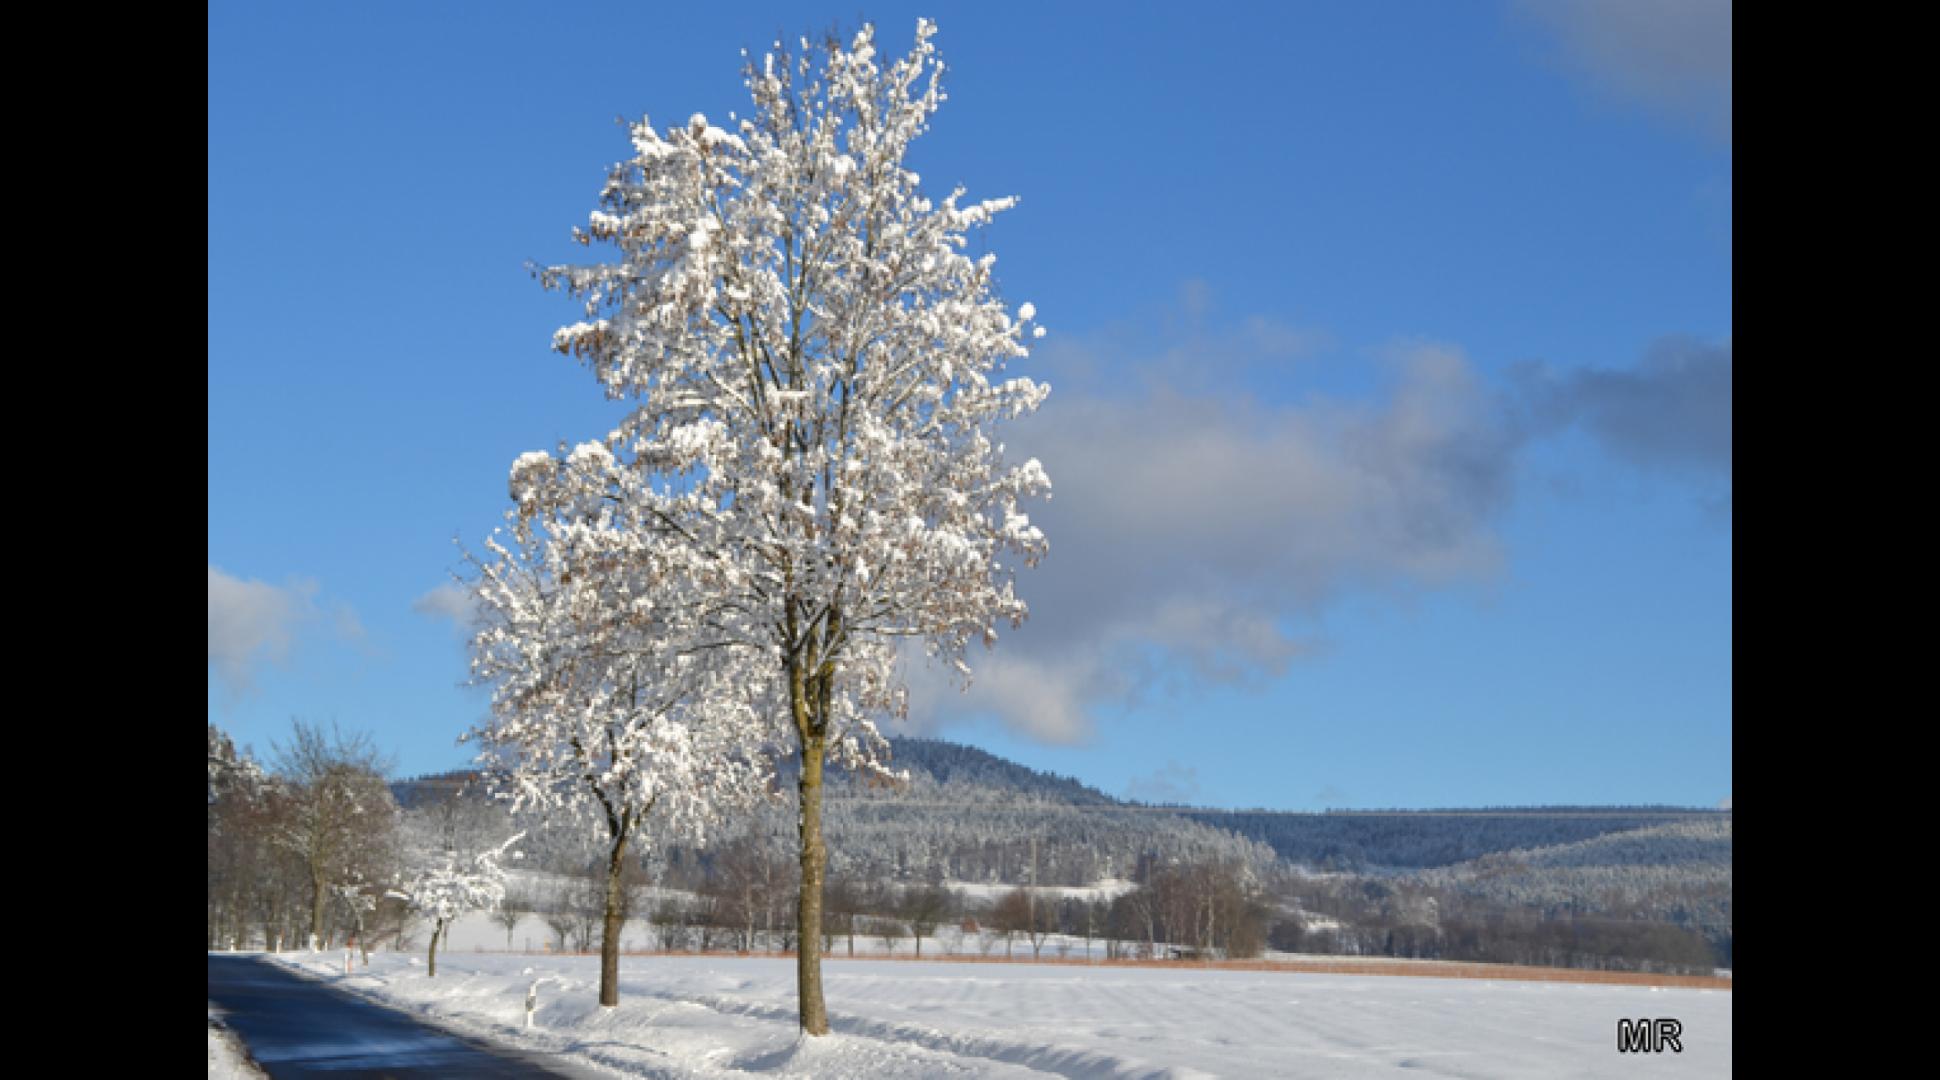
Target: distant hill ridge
[954, 763]
[951, 780]
[948, 762]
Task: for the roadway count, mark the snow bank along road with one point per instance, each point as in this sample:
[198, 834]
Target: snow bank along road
[730, 1016]
[298, 1027]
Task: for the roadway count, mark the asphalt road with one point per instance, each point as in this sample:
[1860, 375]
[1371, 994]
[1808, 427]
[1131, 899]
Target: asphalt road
[298, 1027]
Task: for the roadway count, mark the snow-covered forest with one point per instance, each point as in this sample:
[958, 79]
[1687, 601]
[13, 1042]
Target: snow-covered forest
[966, 837]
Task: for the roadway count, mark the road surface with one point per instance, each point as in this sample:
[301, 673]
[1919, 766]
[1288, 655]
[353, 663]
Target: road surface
[298, 1027]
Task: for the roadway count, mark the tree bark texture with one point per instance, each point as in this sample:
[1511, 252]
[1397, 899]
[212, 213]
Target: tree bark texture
[615, 923]
[808, 956]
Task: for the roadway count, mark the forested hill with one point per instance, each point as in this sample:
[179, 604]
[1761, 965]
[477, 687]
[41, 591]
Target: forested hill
[1569, 885]
[935, 759]
[970, 815]
[954, 763]
[420, 790]
[1423, 839]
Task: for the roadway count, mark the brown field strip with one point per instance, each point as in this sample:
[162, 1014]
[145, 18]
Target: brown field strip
[1435, 969]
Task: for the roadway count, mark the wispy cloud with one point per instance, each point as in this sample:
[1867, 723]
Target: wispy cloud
[1173, 783]
[1191, 531]
[450, 601]
[1331, 798]
[1671, 56]
[1672, 411]
[251, 623]
[1196, 527]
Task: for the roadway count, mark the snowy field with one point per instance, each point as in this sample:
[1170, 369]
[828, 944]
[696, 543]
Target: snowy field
[727, 1016]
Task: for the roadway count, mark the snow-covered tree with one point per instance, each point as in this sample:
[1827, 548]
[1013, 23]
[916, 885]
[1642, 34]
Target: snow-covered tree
[228, 770]
[810, 468]
[451, 883]
[599, 717]
[359, 901]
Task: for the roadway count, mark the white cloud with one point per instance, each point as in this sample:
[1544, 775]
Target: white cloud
[1191, 531]
[1196, 530]
[1044, 697]
[251, 622]
[449, 601]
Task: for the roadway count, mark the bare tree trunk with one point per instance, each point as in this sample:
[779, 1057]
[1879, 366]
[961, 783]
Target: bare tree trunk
[316, 911]
[808, 955]
[1209, 931]
[436, 933]
[614, 925]
[1031, 897]
[768, 901]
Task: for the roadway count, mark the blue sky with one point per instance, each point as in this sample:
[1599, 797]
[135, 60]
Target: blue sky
[1390, 349]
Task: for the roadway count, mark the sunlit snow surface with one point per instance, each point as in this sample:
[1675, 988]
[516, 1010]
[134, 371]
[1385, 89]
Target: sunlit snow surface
[718, 1017]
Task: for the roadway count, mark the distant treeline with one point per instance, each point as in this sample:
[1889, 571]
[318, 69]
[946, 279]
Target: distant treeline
[1584, 886]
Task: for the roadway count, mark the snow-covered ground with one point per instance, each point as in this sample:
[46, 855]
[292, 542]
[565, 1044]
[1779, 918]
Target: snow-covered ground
[708, 1016]
[227, 1060]
[1107, 890]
